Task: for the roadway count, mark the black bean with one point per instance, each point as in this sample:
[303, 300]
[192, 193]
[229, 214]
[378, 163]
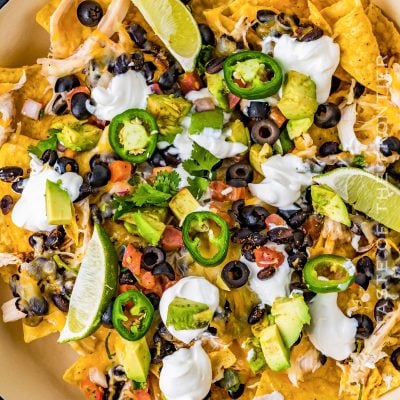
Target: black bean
[235, 274]
[10, 174]
[362, 280]
[167, 79]
[297, 219]
[95, 214]
[127, 278]
[66, 164]
[256, 314]
[323, 359]
[335, 84]
[151, 257]
[154, 299]
[78, 106]
[50, 157]
[85, 190]
[266, 273]
[66, 83]
[215, 65]
[258, 110]
[137, 34]
[89, 13]
[106, 317]
[164, 268]
[151, 47]
[6, 204]
[235, 210]
[60, 301]
[254, 217]
[280, 235]
[298, 238]
[165, 333]
[297, 260]
[382, 307]
[265, 131]
[366, 266]
[212, 330]
[55, 238]
[137, 61]
[248, 252]
[237, 393]
[121, 64]
[308, 33]
[157, 160]
[148, 70]
[329, 148]
[18, 185]
[265, 16]
[38, 306]
[240, 171]
[207, 35]
[394, 358]
[240, 236]
[358, 90]
[59, 106]
[257, 239]
[365, 326]
[99, 176]
[327, 115]
[171, 156]
[287, 21]
[390, 145]
[37, 240]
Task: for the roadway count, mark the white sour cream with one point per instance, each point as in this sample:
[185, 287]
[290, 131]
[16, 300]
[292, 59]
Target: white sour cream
[347, 136]
[186, 374]
[30, 210]
[331, 332]
[277, 286]
[318, 59]
[193, 288]
[285, 177]
[125, 91]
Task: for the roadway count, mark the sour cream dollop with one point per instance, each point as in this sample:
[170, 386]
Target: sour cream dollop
[30, 210]
[331, 332]
[193, 288]
[318, 59]
[277, 286]
[124, 91]
[285, 177]
[186, 374]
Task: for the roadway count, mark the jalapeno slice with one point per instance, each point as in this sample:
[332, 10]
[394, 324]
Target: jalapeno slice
[133, 135]
[132, 315]
[252, 75]
[205, 232]
[329, 273]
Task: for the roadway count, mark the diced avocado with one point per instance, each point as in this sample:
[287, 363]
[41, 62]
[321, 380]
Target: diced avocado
[74, 134]
[290, 314]
[255, 356]
[230, 381]
[299, 99]
[206, 119]
[275, 353]
[146, 225]
[217, 87]
[326, 202]
[188, 314]
[240, 133]
[134, 137]
[58, 205]
[284, 144]
[183, 203]
[135, 358]
[257, 328]
[168, 111]
[296, 127]
[258, 154]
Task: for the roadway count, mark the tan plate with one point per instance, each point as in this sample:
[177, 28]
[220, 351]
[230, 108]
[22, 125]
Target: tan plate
[34, 371]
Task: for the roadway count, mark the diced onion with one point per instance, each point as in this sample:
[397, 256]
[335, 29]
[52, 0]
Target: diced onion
[31, 109]
[97, 377]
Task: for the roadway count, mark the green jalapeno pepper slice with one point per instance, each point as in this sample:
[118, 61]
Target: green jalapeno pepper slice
[133, 135]
[132, 315]
[329, 273]
[252, 75]
[205, 232]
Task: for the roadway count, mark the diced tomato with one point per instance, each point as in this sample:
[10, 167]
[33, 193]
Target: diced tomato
[79, 89]
[141, 395]
[120, 170]
[69, 153]
[214, 207]
[155, 88]
[223, 192]
[121, 188]
[277, 116]
[233, 100]
[190, 81]
[126, 287]
[132, 259]
[147, 280]
[97, 122]
[171, 239]
[274, 220]
[91, 390]
[267, 257]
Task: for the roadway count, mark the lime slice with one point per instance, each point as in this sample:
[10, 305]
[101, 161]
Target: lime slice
[94, 287]
[373, 196]
[175, 26]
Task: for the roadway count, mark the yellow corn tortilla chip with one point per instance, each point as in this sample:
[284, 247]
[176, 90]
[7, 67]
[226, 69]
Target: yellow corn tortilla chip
[337, 10]
[44, 14]
[220, 360]
[385, 31]
[317, 19]
[359, 48]
[8, 78]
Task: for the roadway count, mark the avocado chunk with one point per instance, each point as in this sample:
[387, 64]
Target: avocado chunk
[284, 144]
[183, 203]
[290, 314]
[299, 98]
[206, 119]
[255, 356]
[217, 87]
[168, 111]
[239, 133]
[326, 202]
[135, 358]
[296, 127]
[275, 353]
[258, 154]
[188, 314]
[58, 205]
[74, 134]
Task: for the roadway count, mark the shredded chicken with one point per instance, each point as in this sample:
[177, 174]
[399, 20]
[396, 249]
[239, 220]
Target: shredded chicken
[10, 259]
[303, 364]
[108, 25]
[11, 312]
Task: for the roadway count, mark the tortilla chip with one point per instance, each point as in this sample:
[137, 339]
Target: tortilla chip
[8, 78]
[220, 360]
[44, 14]
[359, 48]
[385, 31]
[337, 10]
[317, 19]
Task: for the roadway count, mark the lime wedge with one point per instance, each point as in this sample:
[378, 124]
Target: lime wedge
[373, 196]
[94, 287]
[172, 22]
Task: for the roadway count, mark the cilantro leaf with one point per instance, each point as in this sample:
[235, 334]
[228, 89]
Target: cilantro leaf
[43, 145]
[359, 161]
[167, 182]
[200, 163]
[204, 56]
[147, 195]
[197, 186]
